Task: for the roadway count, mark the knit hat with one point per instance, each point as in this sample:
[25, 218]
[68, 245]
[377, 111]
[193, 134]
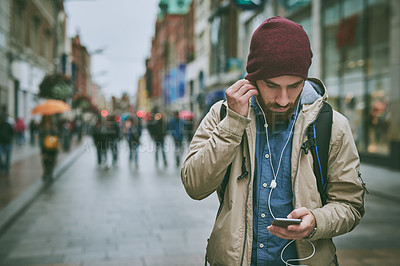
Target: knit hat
[278, 47]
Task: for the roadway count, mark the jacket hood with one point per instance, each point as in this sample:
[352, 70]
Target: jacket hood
[319, 87]
[312, 91]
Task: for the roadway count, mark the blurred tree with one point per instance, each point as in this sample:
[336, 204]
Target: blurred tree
[56, 86]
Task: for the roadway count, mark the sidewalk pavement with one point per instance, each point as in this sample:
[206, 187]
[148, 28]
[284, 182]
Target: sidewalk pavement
[382, 182]
[376, 240]
[24, 183]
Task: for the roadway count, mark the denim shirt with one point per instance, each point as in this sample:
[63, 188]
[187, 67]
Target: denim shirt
[266, 248]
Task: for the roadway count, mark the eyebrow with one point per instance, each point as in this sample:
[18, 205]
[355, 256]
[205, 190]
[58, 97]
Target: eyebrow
[269, 82]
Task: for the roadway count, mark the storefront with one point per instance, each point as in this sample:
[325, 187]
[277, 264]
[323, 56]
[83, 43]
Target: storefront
[357, 59]
[356, 68]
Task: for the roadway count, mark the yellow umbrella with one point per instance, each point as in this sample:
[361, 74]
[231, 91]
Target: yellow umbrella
[51, 107]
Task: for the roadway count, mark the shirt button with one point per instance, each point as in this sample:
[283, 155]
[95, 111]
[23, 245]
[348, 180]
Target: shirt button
[263, 215]
[267, 155]
[265, 185]
[261, 245]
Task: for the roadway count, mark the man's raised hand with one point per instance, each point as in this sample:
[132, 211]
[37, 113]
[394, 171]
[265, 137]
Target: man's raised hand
[239, 94]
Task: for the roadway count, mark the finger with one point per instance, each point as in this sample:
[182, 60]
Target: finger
[295, 228]
[298, 213]
[242, 95]
[247, 96]
[297, 233]
[244, 90]
[303, 229]
[281, 232]
[237, 85]
[251, 93]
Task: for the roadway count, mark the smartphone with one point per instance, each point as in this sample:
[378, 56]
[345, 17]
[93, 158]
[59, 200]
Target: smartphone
[285, 222]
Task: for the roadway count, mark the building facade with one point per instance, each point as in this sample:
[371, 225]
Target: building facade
[32, 34]
[172, 47]
[4, 57]
[359, 69]
[198, 69]
[80, 71]
[356, 54]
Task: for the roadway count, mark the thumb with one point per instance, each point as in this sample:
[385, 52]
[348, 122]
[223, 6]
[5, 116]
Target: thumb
[298, 213]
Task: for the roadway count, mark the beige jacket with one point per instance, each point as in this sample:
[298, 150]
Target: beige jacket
[218, 143]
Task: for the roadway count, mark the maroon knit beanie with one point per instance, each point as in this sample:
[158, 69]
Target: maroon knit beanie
[278, 47]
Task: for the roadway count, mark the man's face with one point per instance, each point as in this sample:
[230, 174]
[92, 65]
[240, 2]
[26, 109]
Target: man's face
[279, 96]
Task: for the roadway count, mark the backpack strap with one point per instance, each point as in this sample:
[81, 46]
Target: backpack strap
[222, 111]
[222, 114]
[319, 135]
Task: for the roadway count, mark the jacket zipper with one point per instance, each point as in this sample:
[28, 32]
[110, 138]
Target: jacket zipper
[245, 219]
[247, 198]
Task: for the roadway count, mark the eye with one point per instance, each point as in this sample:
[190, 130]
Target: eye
[294, 86]
[271, 85]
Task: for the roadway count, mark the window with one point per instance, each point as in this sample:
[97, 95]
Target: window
[3, 39]
[357, 68]
[378, 72]
[288, 7]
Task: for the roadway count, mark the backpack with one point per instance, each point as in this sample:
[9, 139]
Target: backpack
[51, 142]
[318, 138]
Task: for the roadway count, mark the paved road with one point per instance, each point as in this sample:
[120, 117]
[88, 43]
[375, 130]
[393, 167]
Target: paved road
[119, 216]
[129, 216]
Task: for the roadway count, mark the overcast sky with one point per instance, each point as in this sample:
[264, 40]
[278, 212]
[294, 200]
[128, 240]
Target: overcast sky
[124, 28]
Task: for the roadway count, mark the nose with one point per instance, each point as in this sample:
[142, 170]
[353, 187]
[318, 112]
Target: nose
[282, 98]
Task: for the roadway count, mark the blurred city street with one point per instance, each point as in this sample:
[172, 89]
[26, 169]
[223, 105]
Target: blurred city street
[116, 216]
[76, 75]
[125, 215]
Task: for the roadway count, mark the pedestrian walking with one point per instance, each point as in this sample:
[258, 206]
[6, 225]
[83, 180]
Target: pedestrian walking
[20, 131]
[66, 133]
[133, 134]
[49, 137]
[100, 142]
[78, 127]
[32, 131]
[175, 128]
[254, 150]
[158, 131]
[188, 129]
[6, 138]
[113, 136]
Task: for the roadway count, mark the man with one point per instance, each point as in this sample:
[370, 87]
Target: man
[267, 117]
[175, 127]
[113, 135]
[100, 142]
[158, 131]
[6, 137]
[133, 133]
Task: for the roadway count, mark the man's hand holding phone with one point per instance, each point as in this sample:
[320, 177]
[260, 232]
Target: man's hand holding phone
[239, 94]
[290, 228]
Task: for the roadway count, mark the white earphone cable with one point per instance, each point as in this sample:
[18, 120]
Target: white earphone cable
[274, 184]
[292, 260]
